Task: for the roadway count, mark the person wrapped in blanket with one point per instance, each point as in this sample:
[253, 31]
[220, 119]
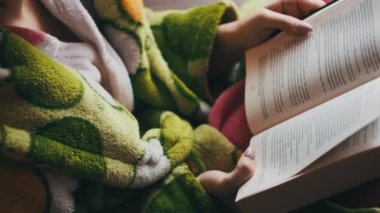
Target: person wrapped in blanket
[68, 138]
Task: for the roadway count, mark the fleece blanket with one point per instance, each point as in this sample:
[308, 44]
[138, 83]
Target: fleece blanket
[60, 140]
[65, 146]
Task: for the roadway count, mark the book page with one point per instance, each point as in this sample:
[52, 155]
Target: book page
[366, 138]
[288, 75]
[284, 150]
[353, 162]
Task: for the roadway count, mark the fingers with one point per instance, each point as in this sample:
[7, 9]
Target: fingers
[245, 169]
[291, 7]
[309, 6]
[274, 20]
[296, 8]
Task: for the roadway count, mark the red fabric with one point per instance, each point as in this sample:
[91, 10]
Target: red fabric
[228, 116]
[34, 37]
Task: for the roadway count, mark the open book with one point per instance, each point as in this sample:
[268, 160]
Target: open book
[305, 97]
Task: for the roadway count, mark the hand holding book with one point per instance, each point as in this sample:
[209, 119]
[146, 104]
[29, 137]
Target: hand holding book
[234, 38]
[305, 96]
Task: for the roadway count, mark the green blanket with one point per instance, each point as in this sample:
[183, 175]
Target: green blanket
[51, 119]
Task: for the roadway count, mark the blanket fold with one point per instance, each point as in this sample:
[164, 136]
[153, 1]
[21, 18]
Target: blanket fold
[53, 116]
[59, 129]
[172, 49]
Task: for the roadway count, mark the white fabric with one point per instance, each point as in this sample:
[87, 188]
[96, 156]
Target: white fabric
[78, 55]
[154, 166]
[126, 46]
[114, 75]
[61, 187]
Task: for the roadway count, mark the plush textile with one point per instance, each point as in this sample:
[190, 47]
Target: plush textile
[228, 116]
[170, 62]
[54, 119]
[66, 145]
[114, 76]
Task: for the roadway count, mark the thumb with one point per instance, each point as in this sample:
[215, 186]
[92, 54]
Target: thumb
[286, 23]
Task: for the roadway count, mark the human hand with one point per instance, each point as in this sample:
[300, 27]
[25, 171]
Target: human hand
[224, 186]
[234, 38]
[281, 14]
